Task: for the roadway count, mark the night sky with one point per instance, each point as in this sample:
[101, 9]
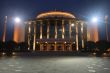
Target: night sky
[26, 9]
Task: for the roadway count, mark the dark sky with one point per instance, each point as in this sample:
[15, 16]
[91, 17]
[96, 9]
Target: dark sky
[26, 9]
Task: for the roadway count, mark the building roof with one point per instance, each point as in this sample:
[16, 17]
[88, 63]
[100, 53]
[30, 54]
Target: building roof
[55, 14]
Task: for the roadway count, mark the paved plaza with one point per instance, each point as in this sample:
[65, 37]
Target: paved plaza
[54, 64]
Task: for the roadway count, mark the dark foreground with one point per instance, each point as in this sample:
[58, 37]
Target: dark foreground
[52, 64]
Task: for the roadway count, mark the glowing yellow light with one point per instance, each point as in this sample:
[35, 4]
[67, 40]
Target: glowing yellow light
[74, 42]
[13, 53]
[95, 19]
[55, 42]
[72, 25]
[3, 53]
[94, 53]
[82, 30]
[104, 54]
[28, 48]
[17, 20]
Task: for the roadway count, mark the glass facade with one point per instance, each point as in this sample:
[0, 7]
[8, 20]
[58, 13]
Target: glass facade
[52, 29]
[38, 30]
[44, 29]
[59, 29]
[66, 26]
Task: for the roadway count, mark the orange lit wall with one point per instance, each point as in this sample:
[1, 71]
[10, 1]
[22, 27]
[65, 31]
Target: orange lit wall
[96, 34]
[18, 35]
[93, 33]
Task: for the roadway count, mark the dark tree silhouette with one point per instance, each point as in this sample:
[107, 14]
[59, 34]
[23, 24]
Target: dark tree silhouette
[1, 46]
[91, 46]
[23, 46]
[10, 46]
[102, 46]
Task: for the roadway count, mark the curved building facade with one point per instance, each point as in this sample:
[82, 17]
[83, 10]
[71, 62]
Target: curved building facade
[56, 31]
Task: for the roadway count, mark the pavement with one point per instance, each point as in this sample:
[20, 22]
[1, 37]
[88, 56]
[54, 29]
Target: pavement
[61, 64]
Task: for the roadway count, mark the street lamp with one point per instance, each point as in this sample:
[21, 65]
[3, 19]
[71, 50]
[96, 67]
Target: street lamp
[94, 29]
[17, 29]
[94, 19]
[17, 20]
[106, 23]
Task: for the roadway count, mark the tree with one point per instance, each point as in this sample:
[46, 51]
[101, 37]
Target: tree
[91, 46]
[23, 46]
[102, 46]
[10, 46]
[1, 46]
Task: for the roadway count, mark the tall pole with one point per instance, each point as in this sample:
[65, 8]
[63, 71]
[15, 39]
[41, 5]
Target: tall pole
[4, 33]
[17, 30]
[106, 23]
[95, 32]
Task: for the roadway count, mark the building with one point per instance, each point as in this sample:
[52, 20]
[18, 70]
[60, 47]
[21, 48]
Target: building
[56, 31]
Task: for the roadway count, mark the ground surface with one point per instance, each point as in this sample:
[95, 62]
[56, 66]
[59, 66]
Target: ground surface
[54, 65]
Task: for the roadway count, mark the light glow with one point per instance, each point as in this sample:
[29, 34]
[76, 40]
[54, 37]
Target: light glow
[72, 24]
[17, 20]
[3, 53]
[95, 19]
[13, 53]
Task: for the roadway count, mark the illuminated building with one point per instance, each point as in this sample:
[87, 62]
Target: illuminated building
[56, 31]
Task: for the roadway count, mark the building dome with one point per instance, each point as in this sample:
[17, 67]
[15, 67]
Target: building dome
[52, 14]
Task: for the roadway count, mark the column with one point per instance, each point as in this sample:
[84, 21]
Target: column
[56, 29]
[48, 46]
[55, 46]
[34, 43]
[63, 46]
[48, 25]
[29, 31]
[41, 47]
[41, 35]
[63, 33]
[70, 30]
[77, 48]
[41, 29]
[82, 25]
[63, 29]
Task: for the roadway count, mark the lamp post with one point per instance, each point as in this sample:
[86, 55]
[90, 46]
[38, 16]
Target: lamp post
[4, 33]
[16, 29]
[106, 23]
[17, 20]
[95, 32]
